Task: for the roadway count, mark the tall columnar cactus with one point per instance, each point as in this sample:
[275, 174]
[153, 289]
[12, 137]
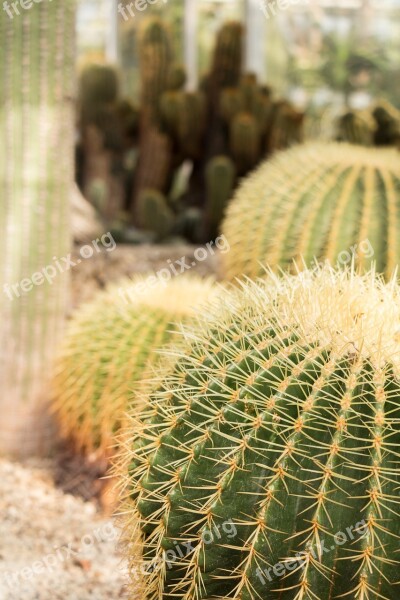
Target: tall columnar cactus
[192, 123]
[266, 465]
[220, 182]
[155, 159]
[156, 55]
[36, 176]
[245, 142]
[110, 345]
[228, 57]
[319, 201]
[154, 213]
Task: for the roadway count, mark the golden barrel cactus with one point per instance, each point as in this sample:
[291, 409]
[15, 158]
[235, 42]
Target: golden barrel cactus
[321, 201]
[109, 347]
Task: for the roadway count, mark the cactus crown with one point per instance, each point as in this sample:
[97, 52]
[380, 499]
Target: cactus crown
[275, 434]
[330, 202]
[110, 344]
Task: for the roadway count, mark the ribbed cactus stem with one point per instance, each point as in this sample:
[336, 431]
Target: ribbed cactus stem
[245, 142]
[154, 213]
[36, 173]
[266, 464]
[333, 202]
[110, 346]
[220, 181]
[156, 55]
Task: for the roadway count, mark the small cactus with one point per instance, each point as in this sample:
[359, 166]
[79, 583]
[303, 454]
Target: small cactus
[231, 103]
[192, 123]
[154, 213]
[266, 463]
[98, 85]
[387, 118]
[357, 127]
[220, 181]
[176, 77]
[245, 142]
[110, 344]
[170, 111]
[318, 201]
[286, 126]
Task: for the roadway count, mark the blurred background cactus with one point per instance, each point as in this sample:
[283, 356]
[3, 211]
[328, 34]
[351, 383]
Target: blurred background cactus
[318, 202]
[230, 115]
[108, 350]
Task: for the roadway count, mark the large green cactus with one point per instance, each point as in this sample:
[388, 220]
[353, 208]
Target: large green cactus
[109, 345]
[319, 201]
[37, 67]
[267, 465]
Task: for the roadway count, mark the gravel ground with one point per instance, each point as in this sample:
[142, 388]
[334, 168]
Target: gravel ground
[54, 546]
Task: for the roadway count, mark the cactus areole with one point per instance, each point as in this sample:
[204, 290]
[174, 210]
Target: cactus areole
[268, 466]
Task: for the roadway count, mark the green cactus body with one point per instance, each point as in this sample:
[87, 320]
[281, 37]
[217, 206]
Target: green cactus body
[266, 465]
[228, 57]
[192, 123]
[110, 345]
[170, 112]
[231, 103]
[250, 91]
[154, 213]
[245, 142]
[155, 61]
[333, 202]
[98, 86]
[176, 77]
[220, 181]
[151, 173]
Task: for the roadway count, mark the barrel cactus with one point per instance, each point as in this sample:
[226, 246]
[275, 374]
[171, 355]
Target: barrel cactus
[267, 462]
[110, 344]
[334, 202]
